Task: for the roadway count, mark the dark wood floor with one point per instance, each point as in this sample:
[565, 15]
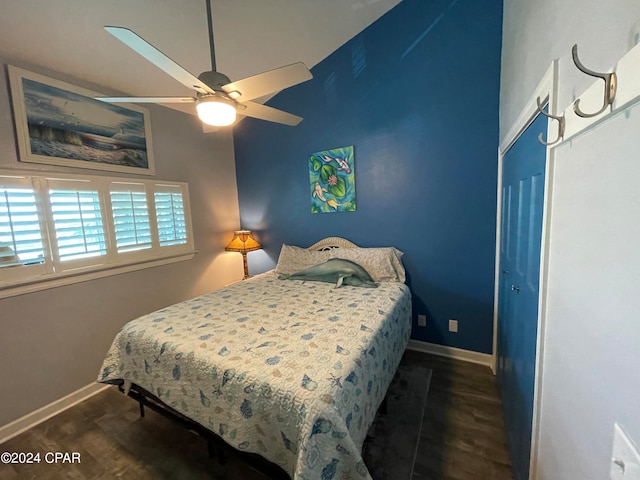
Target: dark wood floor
[462, 437]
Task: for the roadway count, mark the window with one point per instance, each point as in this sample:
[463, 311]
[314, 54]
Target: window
[56, 227]
[20, 237]
[172, 227]
[131, 217]
[77, 223]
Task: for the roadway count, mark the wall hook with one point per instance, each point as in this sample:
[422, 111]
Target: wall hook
[610, 85]
[561, 124]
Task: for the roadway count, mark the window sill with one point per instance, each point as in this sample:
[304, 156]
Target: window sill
[68, 278]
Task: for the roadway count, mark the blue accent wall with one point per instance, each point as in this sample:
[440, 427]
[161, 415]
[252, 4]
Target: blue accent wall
[416, 94]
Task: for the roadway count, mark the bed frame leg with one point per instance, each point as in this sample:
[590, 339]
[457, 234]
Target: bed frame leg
[141, 408]
[216, 451]
[384, 406]
[222, 454]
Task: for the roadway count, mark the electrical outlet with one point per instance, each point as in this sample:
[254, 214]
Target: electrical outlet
[453, 325]
[422, 320]
[625, 459]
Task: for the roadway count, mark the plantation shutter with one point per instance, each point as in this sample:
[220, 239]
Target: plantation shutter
[130, 217]
[77, 222]
[59, 228]
[170, 216]
[20, 236]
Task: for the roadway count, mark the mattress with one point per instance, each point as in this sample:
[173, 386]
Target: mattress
[291, 370]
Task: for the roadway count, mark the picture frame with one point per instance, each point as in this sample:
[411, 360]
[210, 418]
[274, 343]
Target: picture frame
[62, 124]
[332, 183]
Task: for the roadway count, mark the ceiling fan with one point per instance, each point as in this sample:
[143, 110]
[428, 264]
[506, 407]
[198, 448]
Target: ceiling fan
[217, 98]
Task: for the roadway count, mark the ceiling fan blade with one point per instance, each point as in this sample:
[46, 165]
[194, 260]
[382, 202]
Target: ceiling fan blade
[159, 59]
[268, 82]
[264, 112]
[147, 99]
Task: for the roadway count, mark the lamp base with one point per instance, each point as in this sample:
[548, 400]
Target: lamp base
[246, 265]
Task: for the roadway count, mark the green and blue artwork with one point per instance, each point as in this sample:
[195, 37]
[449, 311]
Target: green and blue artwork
[332, 181]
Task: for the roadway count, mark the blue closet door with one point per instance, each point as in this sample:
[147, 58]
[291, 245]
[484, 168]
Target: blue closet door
[523, 174]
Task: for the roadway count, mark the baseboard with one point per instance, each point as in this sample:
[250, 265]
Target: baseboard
[452, 352]
[34, 418]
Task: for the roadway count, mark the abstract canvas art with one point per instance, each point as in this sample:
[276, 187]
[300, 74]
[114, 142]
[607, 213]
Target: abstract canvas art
[332, 181]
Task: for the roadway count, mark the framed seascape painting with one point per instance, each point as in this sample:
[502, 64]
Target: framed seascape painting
[332, 181]
[61, 124]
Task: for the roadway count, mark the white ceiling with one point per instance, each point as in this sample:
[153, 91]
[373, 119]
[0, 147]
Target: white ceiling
[251, 36]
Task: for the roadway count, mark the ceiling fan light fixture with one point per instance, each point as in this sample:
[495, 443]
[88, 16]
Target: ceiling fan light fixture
[216, 111]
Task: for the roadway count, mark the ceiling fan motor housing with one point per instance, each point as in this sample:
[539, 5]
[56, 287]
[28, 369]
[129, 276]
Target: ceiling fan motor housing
[214, 80]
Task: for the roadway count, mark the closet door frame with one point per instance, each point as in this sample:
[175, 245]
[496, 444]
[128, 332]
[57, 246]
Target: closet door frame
[547, 91]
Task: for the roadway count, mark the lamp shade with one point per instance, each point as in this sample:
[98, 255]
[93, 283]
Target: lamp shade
[243, 242]
[217, 111]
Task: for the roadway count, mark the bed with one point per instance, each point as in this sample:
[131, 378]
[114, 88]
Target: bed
[292, 371]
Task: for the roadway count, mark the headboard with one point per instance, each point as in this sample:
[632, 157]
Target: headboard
[330, 243]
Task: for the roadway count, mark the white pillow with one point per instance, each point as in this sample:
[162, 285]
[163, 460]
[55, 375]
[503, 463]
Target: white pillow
[294, 259]
[383, 264]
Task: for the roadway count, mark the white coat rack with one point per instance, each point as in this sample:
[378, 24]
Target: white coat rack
[621, 88]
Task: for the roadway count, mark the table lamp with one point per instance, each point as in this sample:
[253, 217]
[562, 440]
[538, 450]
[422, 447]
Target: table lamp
[243, 242]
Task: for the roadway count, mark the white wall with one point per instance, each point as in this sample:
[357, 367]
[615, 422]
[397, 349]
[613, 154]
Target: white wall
[52, 342]
[592, 342]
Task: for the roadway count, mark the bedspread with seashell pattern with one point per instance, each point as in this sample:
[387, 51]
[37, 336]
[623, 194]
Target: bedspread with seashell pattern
[293, 371]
